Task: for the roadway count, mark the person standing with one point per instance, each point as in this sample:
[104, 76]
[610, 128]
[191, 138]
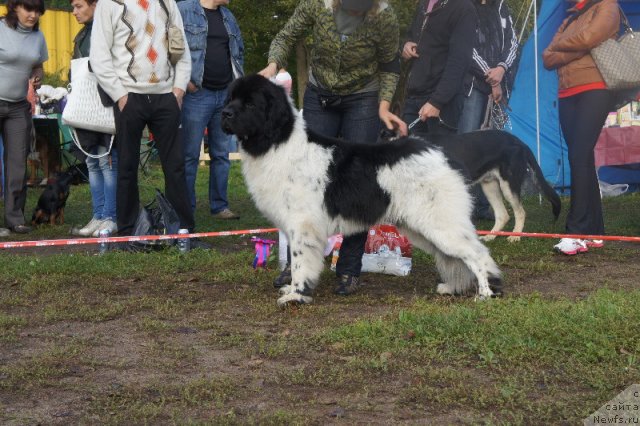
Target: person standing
[23, 50]
[353, 74]
[493, 55]
[584, 103]
[217, 58]
[130, 57]
[102, 170]
[440, 45]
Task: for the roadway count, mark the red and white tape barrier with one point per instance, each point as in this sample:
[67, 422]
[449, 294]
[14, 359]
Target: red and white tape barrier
[82, 241]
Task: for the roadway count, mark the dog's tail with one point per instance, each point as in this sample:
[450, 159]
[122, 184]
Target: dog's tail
[542, 183]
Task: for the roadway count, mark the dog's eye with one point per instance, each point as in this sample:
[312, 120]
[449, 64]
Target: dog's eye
[250, 105]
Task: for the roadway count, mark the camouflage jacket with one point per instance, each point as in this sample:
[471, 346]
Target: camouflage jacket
[343, 67]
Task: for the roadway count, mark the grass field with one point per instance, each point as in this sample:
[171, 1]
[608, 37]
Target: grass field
[164, 338]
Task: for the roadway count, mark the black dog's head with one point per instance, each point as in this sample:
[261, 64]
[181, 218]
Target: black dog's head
[259, 113]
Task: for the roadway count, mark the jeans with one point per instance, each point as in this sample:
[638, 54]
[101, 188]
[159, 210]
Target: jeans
[473, 111]
[103, 174]
[356, 120]
[201, 110]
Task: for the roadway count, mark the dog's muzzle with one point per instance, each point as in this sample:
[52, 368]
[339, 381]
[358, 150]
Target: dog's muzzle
[227, 117]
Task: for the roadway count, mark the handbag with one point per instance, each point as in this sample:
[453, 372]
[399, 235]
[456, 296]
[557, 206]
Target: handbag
[618, 60]
[175, 40]
[84, 108]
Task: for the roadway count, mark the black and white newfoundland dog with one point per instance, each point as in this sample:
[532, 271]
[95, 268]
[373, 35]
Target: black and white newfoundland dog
[312, 186]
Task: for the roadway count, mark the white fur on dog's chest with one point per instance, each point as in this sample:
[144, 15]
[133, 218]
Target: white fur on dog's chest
[288, 178]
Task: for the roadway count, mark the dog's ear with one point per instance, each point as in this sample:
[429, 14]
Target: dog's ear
[280, 118]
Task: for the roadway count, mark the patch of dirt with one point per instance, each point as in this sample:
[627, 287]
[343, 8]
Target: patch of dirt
[227, 361]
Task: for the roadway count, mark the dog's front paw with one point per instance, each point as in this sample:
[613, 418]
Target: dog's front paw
[294, 298]
[513, 239]
[484, 294]
[488, 238]
[286, 289]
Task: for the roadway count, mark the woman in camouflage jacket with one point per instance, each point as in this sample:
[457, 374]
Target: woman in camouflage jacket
[353, 72]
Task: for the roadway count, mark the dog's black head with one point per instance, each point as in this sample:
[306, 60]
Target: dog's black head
[259, 113]
[53, 199]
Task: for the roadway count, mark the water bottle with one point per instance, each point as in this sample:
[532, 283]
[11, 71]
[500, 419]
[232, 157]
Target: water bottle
[183, 243]
[104, 245]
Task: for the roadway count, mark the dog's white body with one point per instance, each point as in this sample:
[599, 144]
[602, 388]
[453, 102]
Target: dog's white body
[428, 201]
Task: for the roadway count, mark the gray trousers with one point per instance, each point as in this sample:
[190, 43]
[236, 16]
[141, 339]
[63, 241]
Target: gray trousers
[15, 126]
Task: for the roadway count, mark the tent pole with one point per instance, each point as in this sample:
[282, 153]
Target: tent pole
[535, 50]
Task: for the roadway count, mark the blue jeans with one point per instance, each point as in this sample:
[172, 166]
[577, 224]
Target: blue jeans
[475, 106]
[201, 110]
[103, 175]
[355, 119]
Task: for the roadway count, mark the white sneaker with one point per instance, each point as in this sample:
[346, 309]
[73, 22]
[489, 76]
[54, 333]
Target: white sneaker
[107, 224]
[594, 243]
[4, 232]
[571, 246]
[90, 227]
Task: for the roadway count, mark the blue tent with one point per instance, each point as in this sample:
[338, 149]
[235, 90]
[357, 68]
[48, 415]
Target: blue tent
[553, 155]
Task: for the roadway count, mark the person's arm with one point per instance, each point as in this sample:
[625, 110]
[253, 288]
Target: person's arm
[460, 51]
[510, 50]
[552, 58]
[604, 24]
[184, 7]
[301, 20]
[100, 56]
[183, 66]
[37, 74]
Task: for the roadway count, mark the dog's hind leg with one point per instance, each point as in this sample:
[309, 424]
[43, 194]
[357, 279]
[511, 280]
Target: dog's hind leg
[518, 210]
[461, 259]
[307, 245]
[491, 190]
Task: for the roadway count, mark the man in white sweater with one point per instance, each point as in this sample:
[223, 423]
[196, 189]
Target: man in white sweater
[130, 59]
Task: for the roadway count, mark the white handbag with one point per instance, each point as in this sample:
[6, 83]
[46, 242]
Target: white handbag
[84, 110]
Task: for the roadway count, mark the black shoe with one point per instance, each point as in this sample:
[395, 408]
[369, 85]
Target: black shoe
[197, 243]
[284, 278]
[347, 284]
[20, 229]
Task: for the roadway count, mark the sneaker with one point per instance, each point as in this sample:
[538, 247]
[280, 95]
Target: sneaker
[284, 278]
[594, 243]
[347, 284]
[90, 227]
[571, 246]
[4, 232]
[226, 214]
[107, 224]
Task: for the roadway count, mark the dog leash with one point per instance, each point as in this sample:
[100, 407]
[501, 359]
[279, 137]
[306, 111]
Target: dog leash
[440, 120]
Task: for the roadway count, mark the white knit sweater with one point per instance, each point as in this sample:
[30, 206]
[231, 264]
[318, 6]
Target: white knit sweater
[129, 48]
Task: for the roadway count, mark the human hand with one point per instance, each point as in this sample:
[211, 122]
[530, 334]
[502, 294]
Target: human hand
[392, 121]
[270, 71]
[179, 94]
[494, 75]
[122, 102]
[496, 93]
[192, 88]
[428, 111]
[410, 50]
[37, 74]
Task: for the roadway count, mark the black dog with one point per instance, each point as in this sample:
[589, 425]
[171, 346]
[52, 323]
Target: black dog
[50, 208]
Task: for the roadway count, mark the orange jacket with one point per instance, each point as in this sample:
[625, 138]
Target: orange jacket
[569, 50]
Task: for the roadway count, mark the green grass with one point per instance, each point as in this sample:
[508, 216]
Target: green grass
[165, 338]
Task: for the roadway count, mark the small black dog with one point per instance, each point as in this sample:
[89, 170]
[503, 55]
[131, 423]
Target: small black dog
[50, 208]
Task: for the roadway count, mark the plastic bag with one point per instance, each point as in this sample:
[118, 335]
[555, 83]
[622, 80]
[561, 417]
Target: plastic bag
[611, 190]
[160, 219]
[387, 251]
